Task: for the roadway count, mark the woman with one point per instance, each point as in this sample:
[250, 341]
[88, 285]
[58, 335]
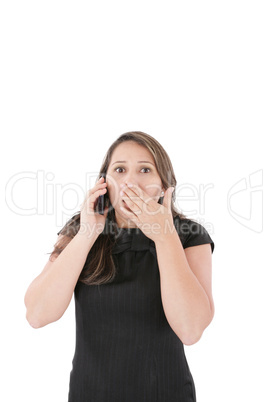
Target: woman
[141, 276]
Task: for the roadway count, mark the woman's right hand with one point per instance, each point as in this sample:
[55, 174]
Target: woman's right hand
[92, 222]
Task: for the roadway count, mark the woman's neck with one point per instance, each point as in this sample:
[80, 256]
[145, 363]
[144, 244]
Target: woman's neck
[124, 223]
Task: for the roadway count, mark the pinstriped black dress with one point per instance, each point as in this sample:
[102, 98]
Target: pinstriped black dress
[125, 348]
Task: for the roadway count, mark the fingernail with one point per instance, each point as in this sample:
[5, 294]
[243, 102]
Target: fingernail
[130, 185]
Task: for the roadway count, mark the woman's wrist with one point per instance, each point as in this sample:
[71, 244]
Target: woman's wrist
[86, 231]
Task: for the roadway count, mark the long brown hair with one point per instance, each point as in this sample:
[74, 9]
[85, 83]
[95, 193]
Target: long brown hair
[99, 267]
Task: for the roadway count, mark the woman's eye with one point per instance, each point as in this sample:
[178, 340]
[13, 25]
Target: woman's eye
[145, 169]
[118, 168]
[148, 169]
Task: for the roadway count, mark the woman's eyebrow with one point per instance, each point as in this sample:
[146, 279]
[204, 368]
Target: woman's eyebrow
[137, 162]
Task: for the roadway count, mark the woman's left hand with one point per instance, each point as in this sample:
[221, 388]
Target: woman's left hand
[154, 220]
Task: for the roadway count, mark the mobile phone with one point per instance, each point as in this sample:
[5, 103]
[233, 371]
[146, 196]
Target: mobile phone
[101, 201]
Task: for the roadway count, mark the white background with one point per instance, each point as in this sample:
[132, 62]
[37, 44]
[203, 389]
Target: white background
[76, 75]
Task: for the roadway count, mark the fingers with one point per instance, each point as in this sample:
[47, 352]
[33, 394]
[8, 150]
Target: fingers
[135, 197]
[100, 184]
[168, 198]
[93, 197]
[99, 189]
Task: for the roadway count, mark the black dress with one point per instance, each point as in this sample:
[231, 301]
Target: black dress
[126, 350]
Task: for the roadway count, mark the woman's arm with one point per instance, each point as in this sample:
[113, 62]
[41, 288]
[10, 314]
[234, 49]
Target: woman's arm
[185, 278]
[50, 293]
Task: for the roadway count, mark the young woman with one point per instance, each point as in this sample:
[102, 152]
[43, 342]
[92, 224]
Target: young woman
[141, 277]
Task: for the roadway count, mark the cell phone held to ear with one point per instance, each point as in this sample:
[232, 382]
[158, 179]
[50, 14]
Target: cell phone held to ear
[101, 202]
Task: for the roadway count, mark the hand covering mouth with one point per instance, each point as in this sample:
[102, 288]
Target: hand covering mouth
[126, 206]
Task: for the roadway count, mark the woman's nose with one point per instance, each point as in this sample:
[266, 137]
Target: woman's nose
[129, 183]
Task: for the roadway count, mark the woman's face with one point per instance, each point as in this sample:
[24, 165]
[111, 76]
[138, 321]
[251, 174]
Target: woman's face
[131, 163]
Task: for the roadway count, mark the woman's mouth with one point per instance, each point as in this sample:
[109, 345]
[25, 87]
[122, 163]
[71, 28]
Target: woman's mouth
[125, 205]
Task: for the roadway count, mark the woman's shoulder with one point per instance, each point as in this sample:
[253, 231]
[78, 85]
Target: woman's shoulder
[192, 232]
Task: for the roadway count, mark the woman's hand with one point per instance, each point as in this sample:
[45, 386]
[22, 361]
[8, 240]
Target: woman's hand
[92, 222]
[155, 220]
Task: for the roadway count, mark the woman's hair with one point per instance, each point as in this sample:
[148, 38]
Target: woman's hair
[99, 267]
